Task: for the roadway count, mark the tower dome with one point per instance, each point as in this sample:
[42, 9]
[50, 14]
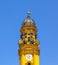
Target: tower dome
[28, 21]
[28, 24]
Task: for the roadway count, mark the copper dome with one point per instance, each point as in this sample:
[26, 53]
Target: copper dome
[28, 22]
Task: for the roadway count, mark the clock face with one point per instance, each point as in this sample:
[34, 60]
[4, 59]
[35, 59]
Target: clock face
[28, 57]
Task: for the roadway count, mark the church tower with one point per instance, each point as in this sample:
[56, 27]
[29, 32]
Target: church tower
[29, 52]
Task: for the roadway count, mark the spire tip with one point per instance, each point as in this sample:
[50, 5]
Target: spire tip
[29, 12]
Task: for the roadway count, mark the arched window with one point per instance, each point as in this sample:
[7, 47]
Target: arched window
[29, 63]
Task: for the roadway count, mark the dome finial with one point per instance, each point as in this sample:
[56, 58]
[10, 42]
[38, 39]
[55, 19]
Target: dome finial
[29, 12]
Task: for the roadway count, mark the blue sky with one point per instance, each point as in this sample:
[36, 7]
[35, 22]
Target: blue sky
[45, 14]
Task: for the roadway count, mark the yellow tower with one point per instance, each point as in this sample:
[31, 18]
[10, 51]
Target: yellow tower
[29, 51]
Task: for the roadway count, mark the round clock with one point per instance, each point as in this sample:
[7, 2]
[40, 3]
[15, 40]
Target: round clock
[28, 57]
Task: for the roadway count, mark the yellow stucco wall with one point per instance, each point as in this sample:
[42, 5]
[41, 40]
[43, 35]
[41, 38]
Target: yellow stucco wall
[35, 60]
